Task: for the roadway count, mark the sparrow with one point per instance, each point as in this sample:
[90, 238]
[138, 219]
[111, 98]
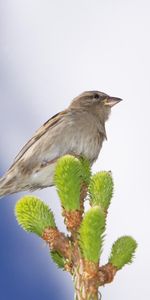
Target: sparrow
[78, 130]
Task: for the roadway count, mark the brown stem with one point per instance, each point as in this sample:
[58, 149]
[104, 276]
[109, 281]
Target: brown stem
[83, 195]
[57, 241]
[86, 281]
[85, 275]
[106, 274]
[88, 277]
[74, 218]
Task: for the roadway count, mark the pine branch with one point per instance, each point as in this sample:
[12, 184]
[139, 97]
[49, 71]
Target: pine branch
[101, 189]
[91, 234]
[122, 252]
[78, 253]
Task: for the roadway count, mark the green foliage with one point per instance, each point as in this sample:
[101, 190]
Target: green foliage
[122, 251]
[101, 189]
[91, 234]
[33, 215]
[58, 259]
[86, 170]
[70, 175]
[68, 178]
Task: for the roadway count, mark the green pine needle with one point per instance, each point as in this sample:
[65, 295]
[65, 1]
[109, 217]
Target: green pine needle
[123, 251]
[58, 259]
[91, 234]
[68, 178]
[86, 170]
[101, 189]
[33, 215]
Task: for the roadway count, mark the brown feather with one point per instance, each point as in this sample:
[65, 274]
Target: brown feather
[53, 121]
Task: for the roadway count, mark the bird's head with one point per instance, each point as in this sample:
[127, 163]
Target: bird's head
[96, 102]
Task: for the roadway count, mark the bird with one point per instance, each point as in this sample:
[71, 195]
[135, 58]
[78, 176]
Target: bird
[78, 130]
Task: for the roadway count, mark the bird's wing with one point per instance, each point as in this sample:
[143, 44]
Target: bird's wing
[53, 121]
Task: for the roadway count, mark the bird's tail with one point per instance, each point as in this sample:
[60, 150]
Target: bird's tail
[8, 186]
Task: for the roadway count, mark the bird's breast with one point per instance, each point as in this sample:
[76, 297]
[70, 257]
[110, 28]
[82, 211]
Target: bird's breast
[82, 137]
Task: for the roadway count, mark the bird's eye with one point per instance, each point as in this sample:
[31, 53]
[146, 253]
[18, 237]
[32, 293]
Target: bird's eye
[96, 96]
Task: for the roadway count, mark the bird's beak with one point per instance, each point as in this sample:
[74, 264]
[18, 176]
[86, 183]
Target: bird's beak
[111, 101]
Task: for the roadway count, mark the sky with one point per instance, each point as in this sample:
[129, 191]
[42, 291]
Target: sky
[51, 51]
